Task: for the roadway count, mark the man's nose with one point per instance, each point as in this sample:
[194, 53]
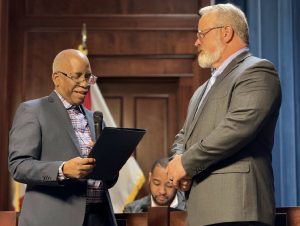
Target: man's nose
[162, 190]
[84, 83]
[197, 42]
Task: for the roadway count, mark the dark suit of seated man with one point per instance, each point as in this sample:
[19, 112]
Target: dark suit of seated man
[163, 193]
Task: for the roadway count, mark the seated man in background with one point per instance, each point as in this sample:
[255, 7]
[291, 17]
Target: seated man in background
[163, 193]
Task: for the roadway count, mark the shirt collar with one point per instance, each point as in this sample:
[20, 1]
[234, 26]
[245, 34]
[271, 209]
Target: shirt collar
[221, 68]
[66, 104]
[174, 203]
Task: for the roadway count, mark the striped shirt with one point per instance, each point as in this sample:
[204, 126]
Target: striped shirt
[95, 188]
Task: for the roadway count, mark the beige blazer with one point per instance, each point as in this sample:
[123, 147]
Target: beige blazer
[226, 146]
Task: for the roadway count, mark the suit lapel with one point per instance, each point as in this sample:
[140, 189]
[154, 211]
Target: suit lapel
[197, 102]
[231, 66]
[62, 116]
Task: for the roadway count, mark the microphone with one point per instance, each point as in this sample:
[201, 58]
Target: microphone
[98, 120]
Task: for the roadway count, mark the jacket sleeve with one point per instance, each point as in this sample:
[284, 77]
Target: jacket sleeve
[255, 99]
[25, 147]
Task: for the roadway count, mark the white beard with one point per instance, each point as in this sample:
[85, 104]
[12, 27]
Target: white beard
[207, 59]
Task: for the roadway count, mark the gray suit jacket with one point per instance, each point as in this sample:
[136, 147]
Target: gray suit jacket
[226, 147]
[143, 204]
[41, 138]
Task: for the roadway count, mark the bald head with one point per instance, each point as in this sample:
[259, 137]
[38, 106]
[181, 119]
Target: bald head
[66, 59]
[66, 66]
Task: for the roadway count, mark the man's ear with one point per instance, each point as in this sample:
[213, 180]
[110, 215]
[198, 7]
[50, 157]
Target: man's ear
[149, 177]
[55, 79]
[228, 33]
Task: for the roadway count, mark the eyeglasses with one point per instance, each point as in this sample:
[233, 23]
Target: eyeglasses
[201, 34]
[79, 77]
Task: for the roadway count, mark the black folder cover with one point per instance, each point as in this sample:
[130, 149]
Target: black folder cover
[112, 150]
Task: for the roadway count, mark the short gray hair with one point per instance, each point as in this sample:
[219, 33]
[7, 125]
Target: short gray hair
[229, 14]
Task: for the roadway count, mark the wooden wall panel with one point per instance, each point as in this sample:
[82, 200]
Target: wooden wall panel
[116, 103]
[141, 49]
[79, 7]
[148, 66]
[139, 92]
[39, 51]
[152, 114]
[111, 55]
[114, 22]
[148, 103]
[141, 42]
[4, 178]
[176, 44]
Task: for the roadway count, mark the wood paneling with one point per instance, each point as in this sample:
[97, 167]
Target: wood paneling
[151, 113]
[148, 103]
[8, 218]
[116, 103]
[139, 97]
[4, 186]
[123, 53]
[79, 7]
[148, 66]
[113, 22]
[142, 50]
[142, 42]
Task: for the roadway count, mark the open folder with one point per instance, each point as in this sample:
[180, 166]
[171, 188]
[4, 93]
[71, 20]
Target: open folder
[112, 149]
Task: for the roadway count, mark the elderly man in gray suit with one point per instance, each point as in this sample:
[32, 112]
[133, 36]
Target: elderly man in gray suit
[50, 140]
[226, 142]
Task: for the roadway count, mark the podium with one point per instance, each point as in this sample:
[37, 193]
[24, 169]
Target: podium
[156, 216]
[165, 216]
[289, 215]
[8, 218]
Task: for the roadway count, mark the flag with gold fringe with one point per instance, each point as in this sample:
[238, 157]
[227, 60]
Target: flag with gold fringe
[18, 194]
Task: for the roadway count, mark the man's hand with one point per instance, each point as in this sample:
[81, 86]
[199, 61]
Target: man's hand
[78, 167]
[175, 171]
[185, 183]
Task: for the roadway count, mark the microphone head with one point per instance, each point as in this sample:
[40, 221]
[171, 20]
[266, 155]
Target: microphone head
[98, 116]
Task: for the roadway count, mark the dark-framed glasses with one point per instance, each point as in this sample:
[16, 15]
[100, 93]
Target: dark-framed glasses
[201, 34]
[79, 77]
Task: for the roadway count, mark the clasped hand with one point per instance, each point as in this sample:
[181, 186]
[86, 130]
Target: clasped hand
[177, 174]
[78, 167]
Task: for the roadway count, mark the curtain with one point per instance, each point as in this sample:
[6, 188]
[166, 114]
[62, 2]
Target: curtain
[275, 35]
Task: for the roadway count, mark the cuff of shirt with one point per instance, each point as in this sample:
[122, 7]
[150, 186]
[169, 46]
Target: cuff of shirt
[61, 175]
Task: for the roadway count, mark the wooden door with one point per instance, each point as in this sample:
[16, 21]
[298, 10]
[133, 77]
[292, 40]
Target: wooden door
[149, 104]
